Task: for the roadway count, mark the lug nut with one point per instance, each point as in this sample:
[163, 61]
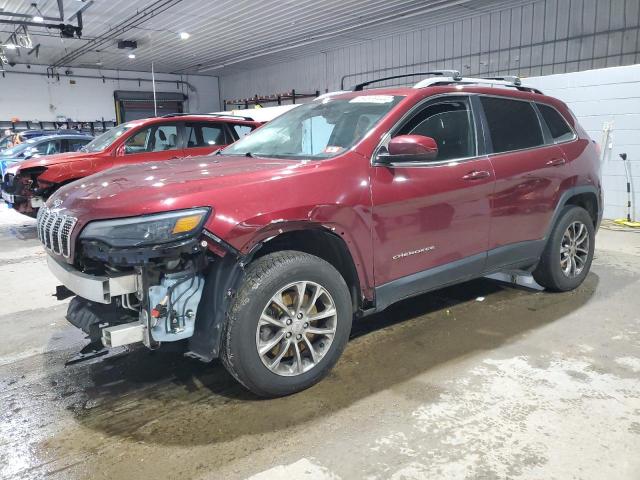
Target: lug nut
[288, 335]
[299, 337]
[289, 321]
[299, 316]
[306, 325]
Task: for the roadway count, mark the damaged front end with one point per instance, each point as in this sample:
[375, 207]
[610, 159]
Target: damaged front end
[24, 192]
[129, 291]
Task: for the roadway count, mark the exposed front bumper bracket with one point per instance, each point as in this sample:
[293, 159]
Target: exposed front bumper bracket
[99, 289]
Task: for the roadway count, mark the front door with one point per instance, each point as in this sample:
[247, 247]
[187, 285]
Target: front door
[431, 219]
[156, 142]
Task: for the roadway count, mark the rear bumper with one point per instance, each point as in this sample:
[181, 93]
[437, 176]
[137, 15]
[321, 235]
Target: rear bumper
[99, 289]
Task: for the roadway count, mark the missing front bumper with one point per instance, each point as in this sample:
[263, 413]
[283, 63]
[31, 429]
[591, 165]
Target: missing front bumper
[99, 289]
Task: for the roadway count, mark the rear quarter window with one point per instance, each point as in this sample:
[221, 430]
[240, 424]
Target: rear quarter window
[513, 124]
[558, 126]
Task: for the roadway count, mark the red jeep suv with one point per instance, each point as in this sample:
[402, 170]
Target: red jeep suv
[153, 139]
[262, 254]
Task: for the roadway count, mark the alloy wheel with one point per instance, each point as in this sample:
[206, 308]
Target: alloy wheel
[574, 249]
[296, 328]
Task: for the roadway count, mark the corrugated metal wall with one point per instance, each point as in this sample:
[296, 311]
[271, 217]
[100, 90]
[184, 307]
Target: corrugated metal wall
[539, 38]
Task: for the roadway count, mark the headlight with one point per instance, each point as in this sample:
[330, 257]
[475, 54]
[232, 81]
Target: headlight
[148, 229]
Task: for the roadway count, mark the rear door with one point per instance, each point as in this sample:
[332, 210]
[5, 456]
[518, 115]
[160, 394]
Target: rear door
[433, 216]
[528, 168]
[203, 138]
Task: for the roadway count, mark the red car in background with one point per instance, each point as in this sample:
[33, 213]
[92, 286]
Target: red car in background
[27, 187]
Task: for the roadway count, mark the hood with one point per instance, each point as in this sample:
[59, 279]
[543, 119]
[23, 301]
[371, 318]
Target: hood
[57, 159]
[169, 185]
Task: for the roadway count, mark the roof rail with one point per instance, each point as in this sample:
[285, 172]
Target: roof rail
[454, 74]
[507, 81]
[169, 115]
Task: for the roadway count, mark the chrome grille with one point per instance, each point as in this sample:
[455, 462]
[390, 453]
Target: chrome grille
[54, 231]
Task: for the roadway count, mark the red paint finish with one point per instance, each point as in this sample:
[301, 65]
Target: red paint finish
[66, 167]
[460, 208]
[433, 208]
[526, 191]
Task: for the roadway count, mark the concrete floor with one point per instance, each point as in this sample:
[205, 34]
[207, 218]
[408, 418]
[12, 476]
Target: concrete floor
[520, 385]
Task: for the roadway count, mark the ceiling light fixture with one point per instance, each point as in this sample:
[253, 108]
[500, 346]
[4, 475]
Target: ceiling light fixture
[184, 36]
[38, 19]
[132, 56]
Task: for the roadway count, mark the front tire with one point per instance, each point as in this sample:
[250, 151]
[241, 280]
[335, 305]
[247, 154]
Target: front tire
[567, 257]
[287, 325]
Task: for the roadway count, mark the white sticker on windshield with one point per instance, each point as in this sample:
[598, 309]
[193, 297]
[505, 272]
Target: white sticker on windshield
[372, 99]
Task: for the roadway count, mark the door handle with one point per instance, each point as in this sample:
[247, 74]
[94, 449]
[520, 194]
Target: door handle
[476, 175]
[556, 162]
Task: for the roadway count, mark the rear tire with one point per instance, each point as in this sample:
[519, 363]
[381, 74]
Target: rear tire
[307, 332]
[566, 259]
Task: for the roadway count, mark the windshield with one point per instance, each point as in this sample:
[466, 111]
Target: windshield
[107, 138]
[320, 129]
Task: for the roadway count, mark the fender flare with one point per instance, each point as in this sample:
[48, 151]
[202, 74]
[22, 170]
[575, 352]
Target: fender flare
[564, 198]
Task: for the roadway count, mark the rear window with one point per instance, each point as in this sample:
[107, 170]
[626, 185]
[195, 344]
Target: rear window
[513, 124]
[560, 130]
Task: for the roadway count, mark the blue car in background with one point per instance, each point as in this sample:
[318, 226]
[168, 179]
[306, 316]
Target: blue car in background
[14, 139]
[41, 146]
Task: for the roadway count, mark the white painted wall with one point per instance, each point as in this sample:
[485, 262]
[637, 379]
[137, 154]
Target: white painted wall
[597, 97]
[34, 97]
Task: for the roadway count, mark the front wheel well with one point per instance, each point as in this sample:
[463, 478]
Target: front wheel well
[588, 201]
[322, 244]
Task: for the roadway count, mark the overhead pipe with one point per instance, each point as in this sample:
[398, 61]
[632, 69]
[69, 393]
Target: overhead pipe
[107, 77]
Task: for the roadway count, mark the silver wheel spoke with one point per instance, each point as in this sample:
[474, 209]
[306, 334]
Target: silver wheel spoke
[312, 350]
[330, 312]
[300, 366]
[272, 342]
[301, 287]
[316, 294]
[320, 331]
[278, 359]
[277, 299]
[269, 320]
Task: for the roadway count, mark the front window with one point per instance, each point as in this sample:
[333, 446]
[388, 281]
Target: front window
[107, 138]
[156, 138]
[320, 129]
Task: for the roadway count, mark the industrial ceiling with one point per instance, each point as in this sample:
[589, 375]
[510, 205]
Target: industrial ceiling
[223, 36]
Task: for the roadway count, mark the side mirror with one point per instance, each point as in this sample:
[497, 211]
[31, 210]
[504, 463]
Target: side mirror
[409, 148]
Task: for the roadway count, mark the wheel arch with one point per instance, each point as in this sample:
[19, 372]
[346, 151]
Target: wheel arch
[323, 243]
[585, 196]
